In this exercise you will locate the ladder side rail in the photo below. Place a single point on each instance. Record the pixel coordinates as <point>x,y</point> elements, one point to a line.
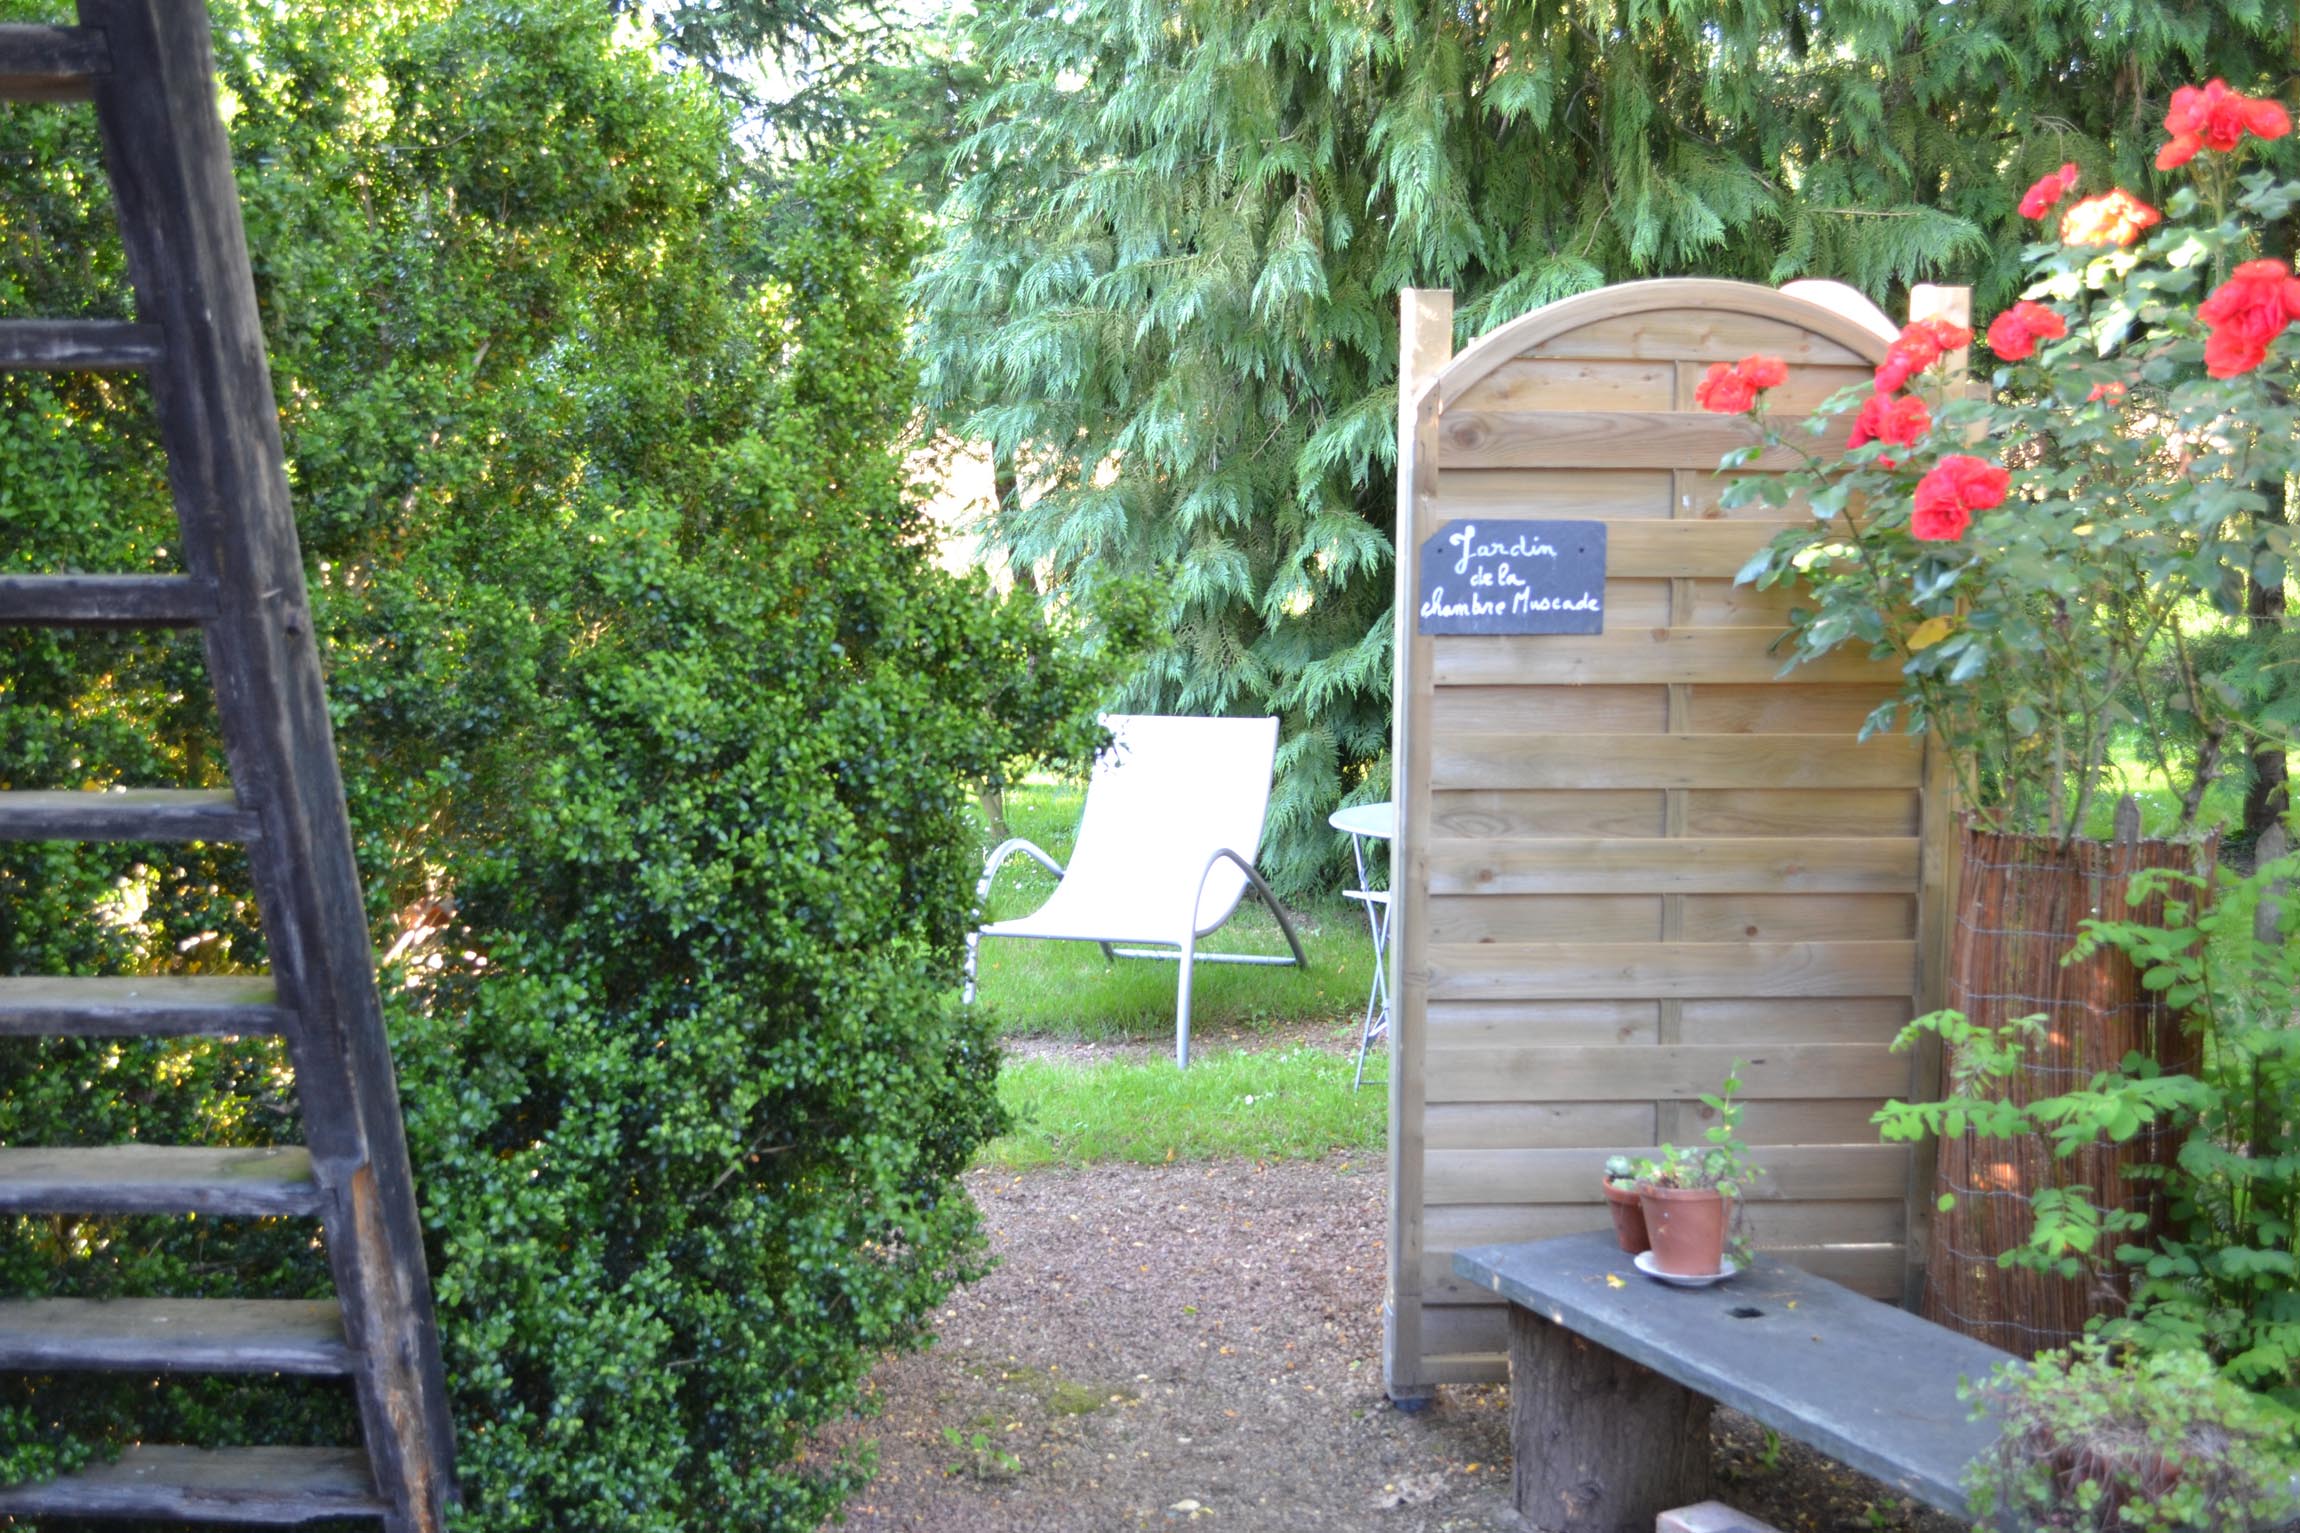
<point>179,216</point>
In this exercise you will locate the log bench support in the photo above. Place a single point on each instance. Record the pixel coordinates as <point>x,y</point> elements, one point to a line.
<point>1602,1444</point>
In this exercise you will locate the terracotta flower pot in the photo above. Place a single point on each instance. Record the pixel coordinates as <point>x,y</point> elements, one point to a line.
<point>1628,1219</point>
<point>1687,1228</point>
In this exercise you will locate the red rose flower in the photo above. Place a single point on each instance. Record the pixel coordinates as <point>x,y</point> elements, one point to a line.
<point>2014,333</point>
<point>2115,217</point>
<point>2216,118</point>
<point>1729,388</point>
<point>2245,314</point>
<point>1723,390</point>
<point>1917,347</point>
<point>1951,491</point>
<point>1764,372</point>
<point>2047,191</point>
<point>1896,419</point>
<point>2112,391</point>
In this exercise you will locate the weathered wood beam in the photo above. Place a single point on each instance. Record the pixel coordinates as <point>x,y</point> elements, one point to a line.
<point>39,63</point>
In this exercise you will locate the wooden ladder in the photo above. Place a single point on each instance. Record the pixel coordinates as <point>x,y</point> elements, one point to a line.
<point>147,66</point>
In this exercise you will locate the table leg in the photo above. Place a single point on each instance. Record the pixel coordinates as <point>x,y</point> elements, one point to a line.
<point>1602,1444</point>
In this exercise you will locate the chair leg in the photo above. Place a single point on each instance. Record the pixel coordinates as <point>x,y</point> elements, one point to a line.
<point>1182,1005</point>
<point>973,946</point>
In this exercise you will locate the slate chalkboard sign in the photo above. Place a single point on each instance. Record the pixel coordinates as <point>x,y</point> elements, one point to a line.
<point>1513,577</point>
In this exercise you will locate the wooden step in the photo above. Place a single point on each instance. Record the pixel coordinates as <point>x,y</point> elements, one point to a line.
<point>106,601</point>
<point>174,1335</point>
<point>159,1179</point>
<point>196,1006</point>
<point>134,814</point>
<point>269,1487</point>
<point>77,346</point>
<point>50,63</point>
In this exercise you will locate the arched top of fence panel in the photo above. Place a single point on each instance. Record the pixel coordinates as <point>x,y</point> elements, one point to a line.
<point>1798,327</point>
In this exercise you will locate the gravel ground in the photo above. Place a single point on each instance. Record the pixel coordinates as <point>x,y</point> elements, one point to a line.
<point>1202,1343</point>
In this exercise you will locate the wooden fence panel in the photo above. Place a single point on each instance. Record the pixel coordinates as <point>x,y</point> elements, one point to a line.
<point>1628,859</point>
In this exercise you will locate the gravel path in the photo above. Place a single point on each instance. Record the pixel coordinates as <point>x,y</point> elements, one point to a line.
<point>1202,1344</point>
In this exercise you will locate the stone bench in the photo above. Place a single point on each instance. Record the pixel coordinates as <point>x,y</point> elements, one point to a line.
<point>1612,1376</point>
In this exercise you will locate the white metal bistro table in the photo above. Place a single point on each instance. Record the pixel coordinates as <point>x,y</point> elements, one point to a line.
<point>1363,823</point>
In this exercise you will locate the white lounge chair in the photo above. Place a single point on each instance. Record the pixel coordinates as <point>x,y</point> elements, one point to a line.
<point>1165,850</point>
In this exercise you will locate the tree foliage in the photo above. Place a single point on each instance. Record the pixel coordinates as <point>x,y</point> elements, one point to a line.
<point>1167,283</point>
<point>656,719</point>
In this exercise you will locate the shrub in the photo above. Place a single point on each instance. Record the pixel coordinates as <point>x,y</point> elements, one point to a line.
<point>656,716</point>
<point>2154,1441</point>
<point>2044,563</point>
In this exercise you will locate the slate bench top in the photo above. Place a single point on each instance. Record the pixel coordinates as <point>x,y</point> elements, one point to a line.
<point>1872,1386</point>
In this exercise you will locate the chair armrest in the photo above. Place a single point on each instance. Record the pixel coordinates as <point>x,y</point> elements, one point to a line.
<point>1005,850</point>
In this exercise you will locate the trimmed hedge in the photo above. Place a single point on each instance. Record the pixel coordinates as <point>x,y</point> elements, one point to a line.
<point>657,719</point>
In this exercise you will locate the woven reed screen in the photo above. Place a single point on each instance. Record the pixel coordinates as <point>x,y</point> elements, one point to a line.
<point>2021,901</point>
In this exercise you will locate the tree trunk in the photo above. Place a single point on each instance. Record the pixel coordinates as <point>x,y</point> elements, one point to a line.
<point>1603,1445</point>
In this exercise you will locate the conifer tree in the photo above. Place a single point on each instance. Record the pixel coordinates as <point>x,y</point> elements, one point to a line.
<point>1167,288</point>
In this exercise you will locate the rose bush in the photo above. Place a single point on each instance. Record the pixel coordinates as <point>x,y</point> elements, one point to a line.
<point>2052,560</point>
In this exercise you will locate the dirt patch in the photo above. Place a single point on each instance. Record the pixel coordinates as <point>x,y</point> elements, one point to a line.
<point>1202,1344</point>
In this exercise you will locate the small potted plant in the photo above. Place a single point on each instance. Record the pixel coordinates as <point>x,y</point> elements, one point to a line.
<point>1620,1184</point>
<point>1691,1197</point>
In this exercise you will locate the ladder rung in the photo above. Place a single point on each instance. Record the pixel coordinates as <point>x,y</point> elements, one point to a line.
<point>58,1007</point>
<point>106,601</point>
<point>174,1335</point>
<point>51,63</point>
<point>271,1487</point>
<point>136,814</point>
<point>76,345</point>
<point>266,1182</point>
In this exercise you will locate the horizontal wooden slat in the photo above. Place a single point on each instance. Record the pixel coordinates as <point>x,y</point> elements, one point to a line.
<point>1632,655</point>
<point>1806,1173</point>
<point>1668,970</point>
<point>1632,812</point>
<point>1527,710</point>
<point>1696,335</point>
<point>1473,1368</point>
<point>1513,761</point>
<point>1675,865</point>
<point>1545,918</point>
<point>106,601</point>
<point>1760,812</point>
<point>213,1007</point>
<point>1772,1225</point>
<point>1550,383</point>
<point>269,1487</point>
<point>1664,1072</point>
<point>1668,550</point>
<point>1716,602</point>
<point>77,345</point>
<point>174,1335</point>
<point>1470,1024</point>
<point>1745,1023</point>
<point>41,63</point>
<point>1458,918</point>
<point>1773,708</point>
<point>1616,495</point>
<point>1535,1125</point>
<point>1798,918</point>
<point>1691,440</point>
<point>137,814</point>
<point>158,1179</point>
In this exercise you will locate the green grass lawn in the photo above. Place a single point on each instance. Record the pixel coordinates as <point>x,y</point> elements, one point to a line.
<point>1266,1104</point>
<point>1254,1089</point>
<point>1067,989</point>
